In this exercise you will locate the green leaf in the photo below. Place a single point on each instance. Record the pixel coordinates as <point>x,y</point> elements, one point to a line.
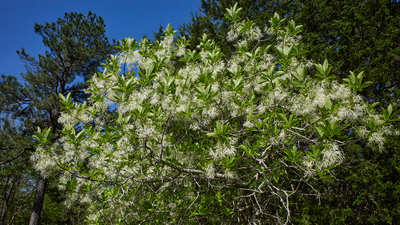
<point>38,135</point>
<point>328,103</point>
<point>339,129</point>
<point>320,132</point>
<point>292,154</point>
<point>366,84</point>
<point>212,134</point>
<point>325,66</point>
<point>390,110</point>
<point>233,13</point>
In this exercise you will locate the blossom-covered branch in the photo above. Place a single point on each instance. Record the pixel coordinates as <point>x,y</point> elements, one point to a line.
<point>196,136</point>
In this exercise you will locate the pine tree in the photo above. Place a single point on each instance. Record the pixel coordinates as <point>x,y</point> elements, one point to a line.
<point>77,45</point>
<point>17,175</point>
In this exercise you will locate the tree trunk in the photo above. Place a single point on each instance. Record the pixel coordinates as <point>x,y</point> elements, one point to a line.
<point>4,203</point>
<point>3,213</point>
<point>39,197</point>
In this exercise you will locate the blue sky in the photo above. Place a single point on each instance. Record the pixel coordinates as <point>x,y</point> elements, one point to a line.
<point>123,18</point>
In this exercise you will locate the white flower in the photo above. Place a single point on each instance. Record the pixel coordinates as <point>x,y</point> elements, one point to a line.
<point>363,132</point>
<point>220,150</point>
<point>232,35</point>
<point>194,126</point>
<point>248,124</point>
<point>131,59</point>
<point>255,33</point>
<point>181,108</point>
<point>181,51</point>
<point>308,163</point>
<point>320,98</point>
<point>155,99</point>
<point>212,112</point>
<point>67,119</point>
<point>331,156</point>
<point>229,174</point>
<point>376,139</point>
<point>210,171</point>
<point>282,135</point>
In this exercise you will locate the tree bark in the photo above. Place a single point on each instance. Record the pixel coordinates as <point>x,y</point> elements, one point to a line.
<point>39,197</point>
<point>3,213</point>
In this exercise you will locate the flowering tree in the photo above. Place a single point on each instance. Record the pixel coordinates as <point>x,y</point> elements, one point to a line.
<point>201,138</point>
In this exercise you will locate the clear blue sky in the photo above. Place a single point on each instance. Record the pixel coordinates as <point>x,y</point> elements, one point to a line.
<point>123,18</point>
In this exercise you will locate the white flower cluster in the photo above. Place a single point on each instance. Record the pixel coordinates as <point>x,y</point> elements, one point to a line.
<point>252,34</point>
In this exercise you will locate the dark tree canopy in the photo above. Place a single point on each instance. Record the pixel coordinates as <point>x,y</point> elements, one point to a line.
<point>77,46</point>
<point>354,35</point>
<point>357,36</point>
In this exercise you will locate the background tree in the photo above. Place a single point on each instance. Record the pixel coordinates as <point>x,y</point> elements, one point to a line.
<point>366,32</point>
<point>77,46</point>
<point>17,177</point>
<point>358,36</point>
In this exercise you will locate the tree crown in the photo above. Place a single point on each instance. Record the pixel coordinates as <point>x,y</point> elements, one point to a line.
<point>215,140</point>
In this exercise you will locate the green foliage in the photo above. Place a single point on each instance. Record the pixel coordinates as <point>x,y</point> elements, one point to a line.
<point>233,15</point>
<point>17,178</point>
<point>356,36</point>
<point>359,36</point>
<point>214,139</point>
<point>356,82</point>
